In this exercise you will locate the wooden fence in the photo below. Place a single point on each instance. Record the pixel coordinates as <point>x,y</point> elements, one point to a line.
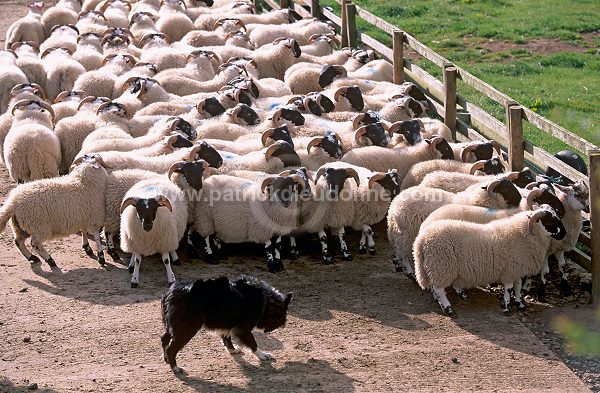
<point>467,120</point>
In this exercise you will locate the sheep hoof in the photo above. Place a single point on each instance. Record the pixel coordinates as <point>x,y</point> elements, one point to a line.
<point>34,259</point>
<point>294,254</point>
<point>114,255</point>
<point>347,256</point>
<point>177,370</point>
<point>134,285</point>
<point>327,259</point>
<point>411,276</point>
<point>371,250</point>
<point>101,260</point>
<point>88,250</point>
<point>362,249</point>
<point>521,306</point>
<point>176,262</point>
<point>448,310</point>
<point>51,262</point>
<point>565,288</point>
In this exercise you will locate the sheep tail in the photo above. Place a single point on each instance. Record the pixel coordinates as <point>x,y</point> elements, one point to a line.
<point>6,212</point>
<point>420,273</point>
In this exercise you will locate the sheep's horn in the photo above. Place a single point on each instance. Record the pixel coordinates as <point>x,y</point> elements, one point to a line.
<point>496,146</point>
<point>16,45</point>
<point>435,141</point>
<point>100,160</point>
<point>532,195</point>
<point>477,167</point>
<point>320,173</point>
<point>490,187</point>
<point>18,105</point>
<point>60,97</point>
<point>313,37</point>
<point>272,149</point>
<point>314,142</point>
<point>298,179</point>
<point>359,133</point>
<point>339,92</point>
<point>278,40</point>
<point>267,134</point>
<point>108,58</point>
<point>47,106</point>
<point>241,24</point>
<point>512,176</point>
<point>536,216</point>
<point>266,183</point>
<point>233,112</point>
<point>175,122</point>
<point>351,172</point>
<point>357,120</point>
<point>294,99</point>
<point>276,116</point>
<point>177,165</point>
<point>194,151</point>
<point>395,127</point>
<point>131,201</point>
<point>466,150</point>
<point>375,178</point>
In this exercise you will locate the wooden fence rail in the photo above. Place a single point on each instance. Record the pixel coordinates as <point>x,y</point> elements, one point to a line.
<point>467,120</point>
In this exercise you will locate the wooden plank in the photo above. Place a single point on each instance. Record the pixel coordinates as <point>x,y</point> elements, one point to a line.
<point>301,10</point>
<point>315,9</point>
<point>544,160</point>
<point>331,16</point>
<point>516,152</point>
<point>581,259</point>
<point>483,87</point>
<point>585,239</point>
<point>492,127</point>
<point>284,4</point>
<point>273,4</point>
<point>257,5</point>
<point>377,46</point>
<point>594,182</point>
<point>450,99</point>
<point>557,131</point>
<point>351,21</point>
<point>376,21</point>
<point>398,56</point>
<point>425,51</point>
<point>425,80</point>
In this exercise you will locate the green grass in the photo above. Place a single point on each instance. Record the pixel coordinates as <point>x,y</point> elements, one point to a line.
<point>562,86</point>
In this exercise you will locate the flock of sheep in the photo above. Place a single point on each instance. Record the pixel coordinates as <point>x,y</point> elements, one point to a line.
<point>189,124</point>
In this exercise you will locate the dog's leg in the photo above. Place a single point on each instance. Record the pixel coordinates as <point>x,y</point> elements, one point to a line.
<point>229,344</point>
<point>179,339</point>
<point>247,338</point>
<point>165,339</point>
<point>170,274</point>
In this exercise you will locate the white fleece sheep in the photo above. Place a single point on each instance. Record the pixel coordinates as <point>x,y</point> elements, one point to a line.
<point>156,49</point>
<point>10,76</point>
<point>29,62</point>
<point>464,254</point>
<point>67,104</point>
<point>65,12</point>
<point>61,70</point>
<point>28,27</point>
<point>116,12</point>
<point>63,36</point>
<point>417,172</point>
<point>91,22</point>
<point>262,35</point>
<point>58,207</point>
<point>173,21</point>
<point>101,82</point>
<point>89,51</point>
<point>273,60</point>
<point>143,235</point>
<point>31,148</point>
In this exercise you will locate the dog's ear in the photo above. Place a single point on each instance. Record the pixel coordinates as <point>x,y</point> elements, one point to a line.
<point>288,298</point>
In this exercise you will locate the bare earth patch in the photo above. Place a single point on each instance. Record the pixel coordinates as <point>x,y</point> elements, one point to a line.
<point>544,46</point>
<point>353,326</point>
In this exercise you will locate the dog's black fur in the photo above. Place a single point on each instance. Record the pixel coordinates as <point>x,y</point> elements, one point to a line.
<point>231,308</point>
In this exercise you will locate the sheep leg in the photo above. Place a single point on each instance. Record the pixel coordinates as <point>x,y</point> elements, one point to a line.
<point>110,246</point>
<point>506,299</point>
<point>526,287</point>
<point>460,292</point>
<point>541,292</point>
<point>396,262</point>
<point>294,253</point>
<point>101,259</point>
<point>175,261</point>
<point>85,244</point>
<point>324,249</point>
<point>564,283</point>
<point>272,264</point>
<point>136,260</point>
<point>366,229</point>
<point>217,242</point>
<point>362,245</point>
<point>518,301</point>
<point>209,252</point>
<point>403,264</point>
<point>41,251</point>
<point>277,251</point>
<point>439,294</point>
<point>20,237</point>
<point>343,247</point>
<point>167,262</point>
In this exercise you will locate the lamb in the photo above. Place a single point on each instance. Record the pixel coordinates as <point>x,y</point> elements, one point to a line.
<point>264,34</point>
<point>89,51</point>
<point>147,228</point>
<point>62,71</point>
<point>10,76</point>
<point>27,28</point>
<point>65,12</point>
<point>459,253</point>
<point>31,148</point>
<point>380,159</point>
<point>102,81</point>
<point>412,206</point>
<point>237,210</point>
<point>29,62</point>
<point>52,208</point>
<point>173,21</point>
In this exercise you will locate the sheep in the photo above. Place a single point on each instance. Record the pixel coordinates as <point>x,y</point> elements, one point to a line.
<point>113,124</point>
<point>156,50</point>
<point>27,28</point>
<point>31,148</point>
<point>319,45</point>
<point>102,81</point>
<point>273,17</point>
<point>29,62</point>
<point>27,91</point>
<point>65,12</point>
<point>62,71</point>
<point>89,51</point>
<point>412,206</point>
<point>173,21</point>
<point>199,66</point>
<point>142,23</point>
<point>67,104</point>
<point>52,208</point>
<point>147,229</point>
<point>72,131</point>
<point>140,70</point>
<point>115,44</point>
<point>91,22</point>
<point>252,142</point>
<point>64,36</point>
<point>116,12</point>
<point>10,76</point>
<point>380,159</point>
<point>176,84</point>
<point>273,60</point>
<point>237,210</point>
<point>464,254</point>
<point>262,35</point>
<point>272,159</point>
<point>209,18</point>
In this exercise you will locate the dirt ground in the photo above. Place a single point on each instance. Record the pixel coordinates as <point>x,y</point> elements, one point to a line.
<point>352,327</point>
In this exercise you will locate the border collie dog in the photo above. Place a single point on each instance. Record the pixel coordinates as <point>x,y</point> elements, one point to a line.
<point>229,308</point>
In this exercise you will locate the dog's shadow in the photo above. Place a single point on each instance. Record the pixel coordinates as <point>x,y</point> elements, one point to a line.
<point>312,376</point>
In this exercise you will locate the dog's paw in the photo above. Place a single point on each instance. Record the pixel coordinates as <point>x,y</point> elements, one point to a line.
<point>234,351</point>
<point>178,370</point>
<point>264,356</point>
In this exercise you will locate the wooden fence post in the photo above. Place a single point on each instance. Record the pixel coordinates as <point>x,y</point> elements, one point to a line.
<point>594,179</point>
<point>351,20</point>
<point>398,46</point>
<point>516,148</point>
<point>344,27</point>
<point>283,4</point>
<point>257,6</point>
<point>450,98</point>
<point>315,9</point>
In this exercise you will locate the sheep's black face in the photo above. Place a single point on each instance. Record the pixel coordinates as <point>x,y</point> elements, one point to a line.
<point>335,178</point>
<point>210,155</point>
<point>411,131</point>
<point>284,190</point>
<point>553,225</point>
<point>313,107</point>
<point>286,153</point>
<point>413,91</point>
<point>355,98</point>
<point>483,151</point>
<point>146,211</point>
<point>186,129</point>
<point>293,115</point>
<point>416,108</point>
<point>248,115</point>
<point>282,134</point>
<point>493,166</point>
<point>208,3</point>
<point>548,198</point>
<point>445,150</point>
<point>328,74</point>
<point>326,103</point>
<point>193,173</point>
<point>525,177</point>
<point>509,192</point>
<point>212,107</point>
<point>391,184</point>
<point>376,134</point>
<point>296,49</point>
<point>181,141</point>
<point>331,145</point>
<point>371,117</point>
<point>306,190</point>
<point>244,98</point>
